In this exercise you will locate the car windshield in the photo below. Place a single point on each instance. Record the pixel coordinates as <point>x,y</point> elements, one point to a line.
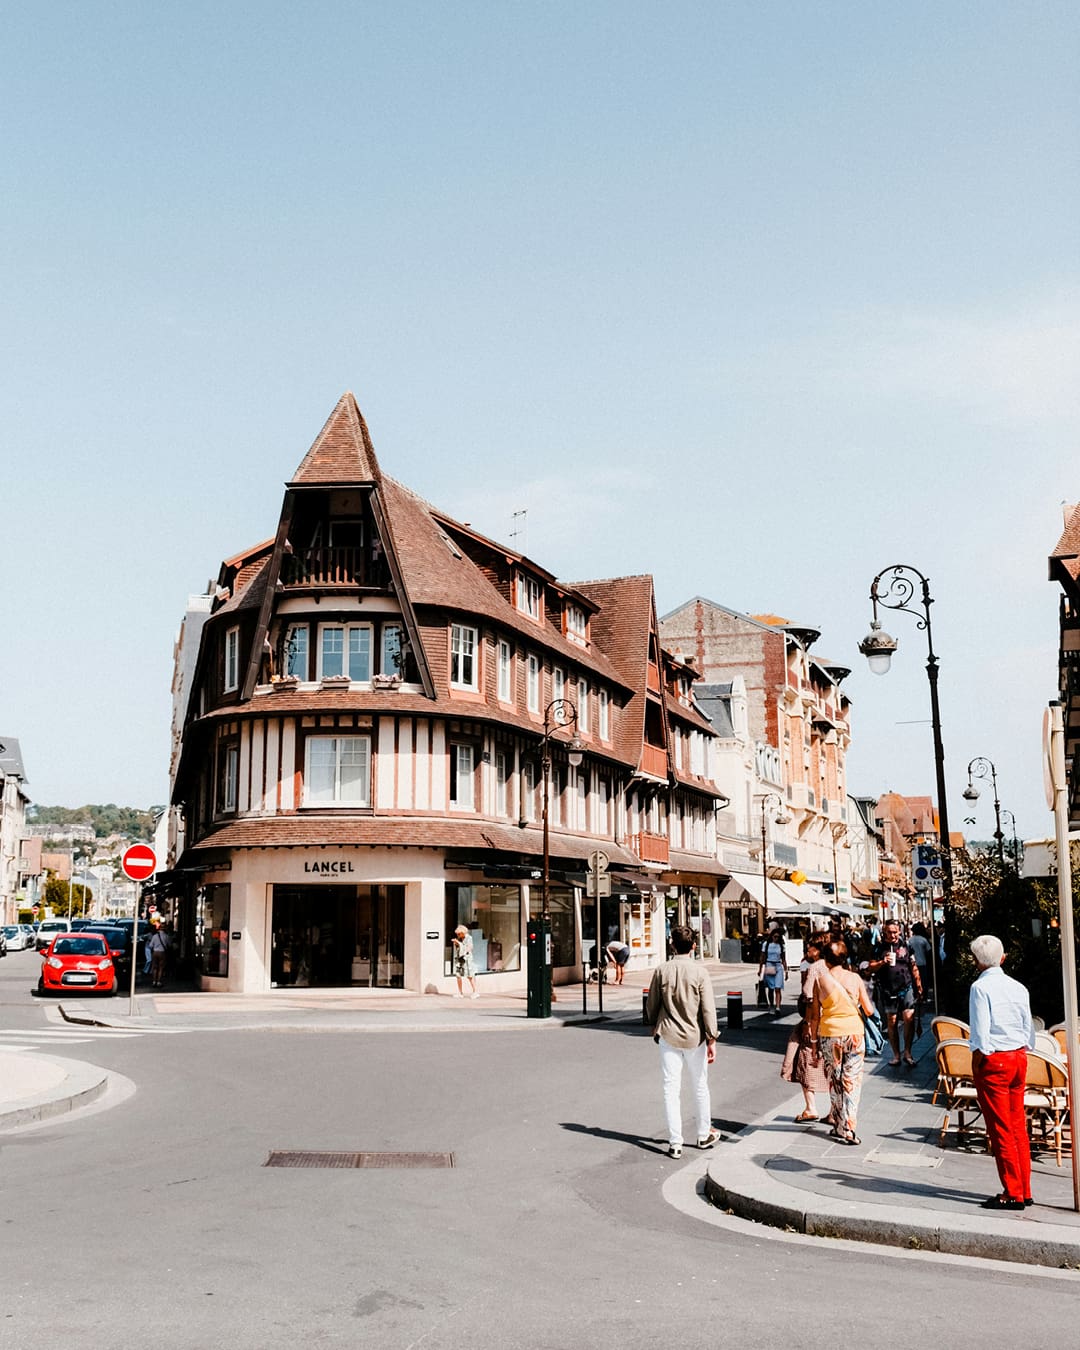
<point>115,937</point>
<point>11,932</point>
<point>80,946</point>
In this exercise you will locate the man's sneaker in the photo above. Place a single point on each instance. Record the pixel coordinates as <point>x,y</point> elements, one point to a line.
<point>713,1137</point>
<point>674,1151</point>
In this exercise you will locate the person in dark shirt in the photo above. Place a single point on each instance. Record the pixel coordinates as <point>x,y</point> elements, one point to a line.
<point>899,987</point>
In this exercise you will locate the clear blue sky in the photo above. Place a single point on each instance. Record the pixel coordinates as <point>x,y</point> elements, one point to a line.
<point>759,298</point>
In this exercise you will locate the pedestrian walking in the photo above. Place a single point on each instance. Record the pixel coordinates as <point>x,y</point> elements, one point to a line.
<point>158,949</point>
<point>681,1008</point>
<point>464,968</point>
<point>1002,1032</point>
<point>835,1020</point>
<point>772,967</point>
<point>899,988</point>
<point>802,1059</point>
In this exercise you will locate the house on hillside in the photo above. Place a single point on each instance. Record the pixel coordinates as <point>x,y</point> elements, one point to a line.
<point>359,760</point>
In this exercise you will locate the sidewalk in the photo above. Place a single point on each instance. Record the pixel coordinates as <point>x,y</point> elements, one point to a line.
<point>900,1188</point>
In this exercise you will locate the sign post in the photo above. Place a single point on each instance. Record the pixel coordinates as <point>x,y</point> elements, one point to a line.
<point>1057,793</point>
<point>138,864</point>
<point>598,884</point>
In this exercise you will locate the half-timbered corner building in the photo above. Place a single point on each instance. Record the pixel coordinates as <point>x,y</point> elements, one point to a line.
<point>358,750</point>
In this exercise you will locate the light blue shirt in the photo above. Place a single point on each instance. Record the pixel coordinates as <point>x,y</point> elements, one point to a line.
<point>999,1012</point>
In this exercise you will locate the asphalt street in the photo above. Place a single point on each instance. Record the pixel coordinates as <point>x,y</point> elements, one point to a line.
<point>156,1222</point>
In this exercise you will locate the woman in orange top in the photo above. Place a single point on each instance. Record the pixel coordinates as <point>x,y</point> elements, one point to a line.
<point>834,1019</point>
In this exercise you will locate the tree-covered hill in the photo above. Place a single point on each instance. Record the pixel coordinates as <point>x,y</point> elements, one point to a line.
<point>105,820</point>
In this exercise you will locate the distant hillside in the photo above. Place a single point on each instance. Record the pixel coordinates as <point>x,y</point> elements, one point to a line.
<point>104,820</point>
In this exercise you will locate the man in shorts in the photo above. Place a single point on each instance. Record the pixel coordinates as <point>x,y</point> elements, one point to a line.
<point>899,988</point>
<point>619,953</point>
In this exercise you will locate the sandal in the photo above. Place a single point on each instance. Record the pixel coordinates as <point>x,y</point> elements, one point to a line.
<point>909,1063</point>
<point>803,1117</point>
<point>894,1063</point>
<point>851,1139</point>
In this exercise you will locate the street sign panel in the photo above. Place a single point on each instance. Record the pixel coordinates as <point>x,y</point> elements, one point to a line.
<point>139,862</point>
<point>598,885</point>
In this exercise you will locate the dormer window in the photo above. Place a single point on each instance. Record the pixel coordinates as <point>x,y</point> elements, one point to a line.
<point>232,660</point>
<point>527,595</point>
<point>577,625</point>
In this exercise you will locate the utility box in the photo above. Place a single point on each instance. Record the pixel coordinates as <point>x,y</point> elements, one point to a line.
<point>538,968</point>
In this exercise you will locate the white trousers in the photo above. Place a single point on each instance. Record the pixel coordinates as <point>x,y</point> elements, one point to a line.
<point>671,1067</point>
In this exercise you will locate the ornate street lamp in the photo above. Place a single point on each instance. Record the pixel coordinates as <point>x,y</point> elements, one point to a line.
<point>773,801</point>
<point>878,647</point>
<point>983,768</point>
<point>1011,822</point>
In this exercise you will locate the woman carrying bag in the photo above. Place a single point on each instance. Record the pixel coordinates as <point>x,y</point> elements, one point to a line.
<point>840,998</point>
<point>772,968</point>
<point>802,1062</point>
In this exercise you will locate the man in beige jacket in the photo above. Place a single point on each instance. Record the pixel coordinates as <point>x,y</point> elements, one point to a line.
<point>682,1010</point>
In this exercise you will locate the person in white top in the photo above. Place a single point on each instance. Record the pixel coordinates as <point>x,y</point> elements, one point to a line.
<point>1002,1032</point>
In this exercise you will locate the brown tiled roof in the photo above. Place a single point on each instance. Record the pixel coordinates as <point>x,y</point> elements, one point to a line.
<point>313,831</point>
<point>342,451</point>
<point>621,628</point>
<point>689,715</point>
<point>436,574</point>
<point>248,589</point>
<point>1065,559</point>
<point>703,863</point>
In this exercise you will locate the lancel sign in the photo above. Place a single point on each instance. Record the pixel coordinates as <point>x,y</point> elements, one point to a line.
<point>327,867</point>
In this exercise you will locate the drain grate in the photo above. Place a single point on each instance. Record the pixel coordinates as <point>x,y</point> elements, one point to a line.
<point>309,1158</point>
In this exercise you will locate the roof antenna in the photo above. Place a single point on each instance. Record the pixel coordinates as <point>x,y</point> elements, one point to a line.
<point>519,528</point>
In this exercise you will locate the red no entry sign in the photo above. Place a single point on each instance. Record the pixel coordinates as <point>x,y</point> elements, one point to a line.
<point>139,862</point>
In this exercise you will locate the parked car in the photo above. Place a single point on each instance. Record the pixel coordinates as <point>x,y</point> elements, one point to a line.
<point>48,930</point>
<point>3,942</point>
<point>15,939</point>
<point>77,961</point>
<point>119,942</point>
<point>31,933</point>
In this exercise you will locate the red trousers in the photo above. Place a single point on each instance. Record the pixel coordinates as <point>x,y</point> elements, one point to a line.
<point>999,1082</point>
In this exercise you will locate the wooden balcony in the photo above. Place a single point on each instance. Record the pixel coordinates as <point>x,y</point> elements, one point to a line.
<point>652,678</point>
<point>332,568</point>
<point>654,760</point>
<point>651,848</point>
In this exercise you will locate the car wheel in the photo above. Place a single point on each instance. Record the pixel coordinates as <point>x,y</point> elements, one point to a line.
<point>40,988</point>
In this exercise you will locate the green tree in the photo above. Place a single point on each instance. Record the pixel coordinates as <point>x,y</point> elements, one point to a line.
<point>56,897</point>
<point>1023,913</point>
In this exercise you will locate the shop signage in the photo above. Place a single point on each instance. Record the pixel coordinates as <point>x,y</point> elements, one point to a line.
<point>324,867</point>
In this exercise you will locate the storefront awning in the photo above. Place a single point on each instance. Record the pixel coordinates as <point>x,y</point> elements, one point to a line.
<point>785,898</point>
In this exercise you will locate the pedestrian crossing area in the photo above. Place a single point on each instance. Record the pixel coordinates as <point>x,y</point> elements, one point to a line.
<point>56,1038</point>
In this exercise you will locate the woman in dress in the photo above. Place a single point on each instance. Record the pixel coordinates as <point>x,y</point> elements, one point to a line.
<point>772,968</point>
<point>802,1062</point>
<point>834,1018</point>
<point>464,968</point>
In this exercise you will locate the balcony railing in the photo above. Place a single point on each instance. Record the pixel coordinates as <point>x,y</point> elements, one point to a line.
<point>651,848</point>
<point>654,760</point>
<point>332,567</point>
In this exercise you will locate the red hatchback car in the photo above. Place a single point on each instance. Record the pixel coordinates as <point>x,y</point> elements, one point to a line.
<point>77,961</point>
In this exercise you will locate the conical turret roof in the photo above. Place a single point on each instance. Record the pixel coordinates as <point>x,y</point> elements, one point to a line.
<point>342,451</point>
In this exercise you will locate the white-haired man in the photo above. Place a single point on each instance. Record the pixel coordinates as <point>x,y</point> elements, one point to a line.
<point>1002,1033</point>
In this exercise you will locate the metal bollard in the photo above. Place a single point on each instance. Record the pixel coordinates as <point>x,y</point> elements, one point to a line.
<point>645,1008</point>
<point>734,1010</point>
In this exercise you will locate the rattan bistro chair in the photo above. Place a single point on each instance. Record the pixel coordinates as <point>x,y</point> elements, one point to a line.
<point>949,1029</point>
<point>1046,1099</point>
<point>955,1085</point>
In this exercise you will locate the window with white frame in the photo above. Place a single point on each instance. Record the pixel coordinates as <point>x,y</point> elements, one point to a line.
<point>528,790</point>
<point>391,661</point>
<point>577,626</point>
<point>528,594</point>
<point>556,787</point>
<point>228,775</point>
<point>581,821</point>
<point>558,690</point>
<point>232,660</point>
<point>462,777</point>
<point>296,651</point>
<point>506,666</point>
<point>602,717</point>
<point>502,779</point>
<point>345,649</point>
<point>583,706</point>
<point>463,662</point>
<point>337,771</point>
<point>532,683</point>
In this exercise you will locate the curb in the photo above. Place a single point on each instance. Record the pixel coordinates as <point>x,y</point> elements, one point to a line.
<point>747,1190</point>
<point>81,1085</point>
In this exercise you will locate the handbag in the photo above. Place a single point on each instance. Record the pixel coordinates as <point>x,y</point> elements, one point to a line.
<point>770,970</point>
<point>873,1033</point>
<point>762,996</point>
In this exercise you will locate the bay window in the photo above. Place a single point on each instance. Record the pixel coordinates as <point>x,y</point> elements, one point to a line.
<point>345,649</point>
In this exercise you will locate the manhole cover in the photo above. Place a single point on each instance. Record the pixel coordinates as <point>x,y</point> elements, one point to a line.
<point>309,1158</point>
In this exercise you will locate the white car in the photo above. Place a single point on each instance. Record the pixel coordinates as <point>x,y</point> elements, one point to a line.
<point>17,941</point>
<point>48,930</point>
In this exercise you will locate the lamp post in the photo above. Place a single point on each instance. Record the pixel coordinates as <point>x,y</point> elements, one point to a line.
<point>838,830</point>
<point>774,800</point>
<point>559,715</point>
<point>878,647</point>
<point>1011,822</point>
<point>983,768</point>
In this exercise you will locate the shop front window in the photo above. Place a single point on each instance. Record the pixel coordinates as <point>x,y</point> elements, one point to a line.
<point>561,909</point>
<point>492,914</point>
<point>212,929</point>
